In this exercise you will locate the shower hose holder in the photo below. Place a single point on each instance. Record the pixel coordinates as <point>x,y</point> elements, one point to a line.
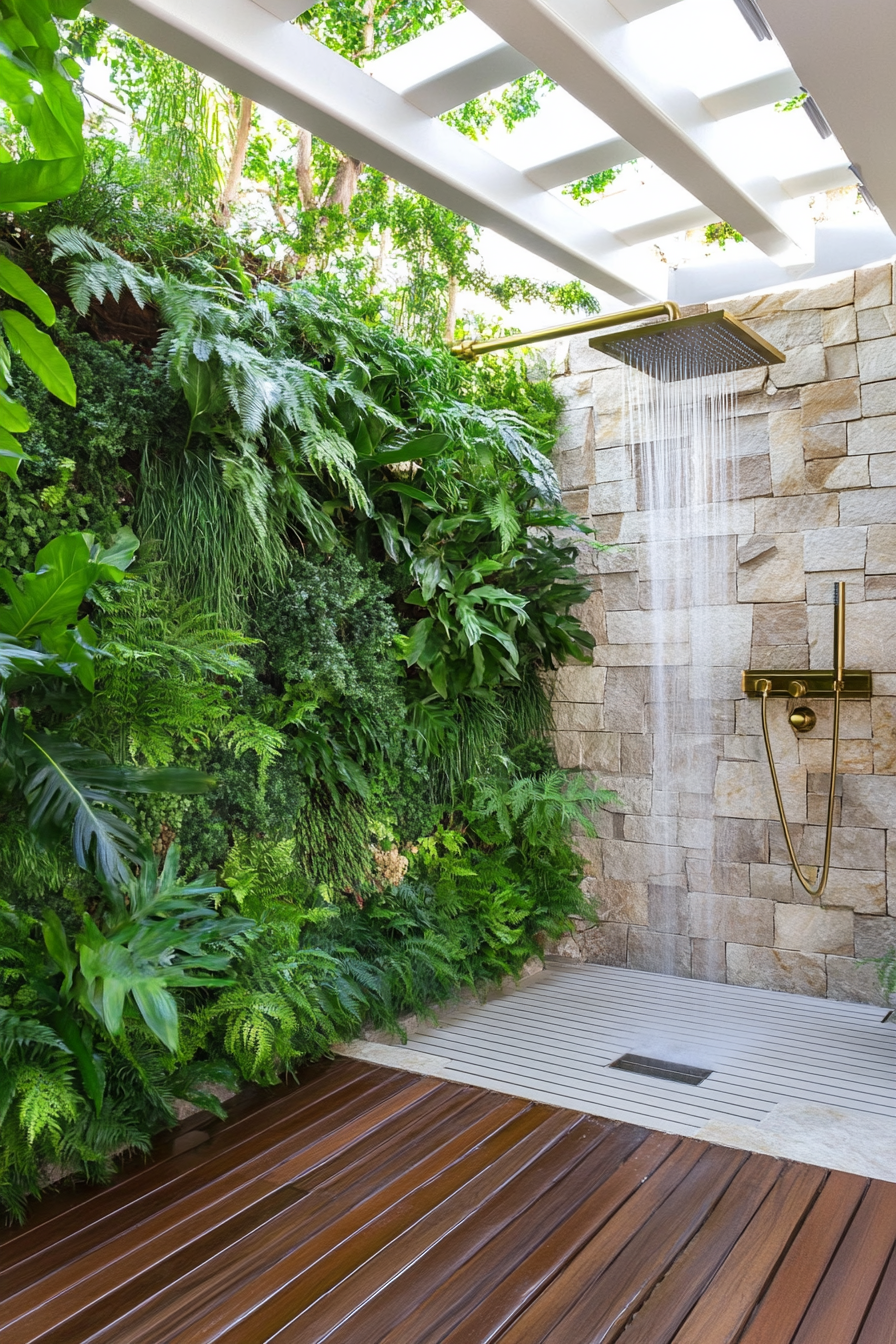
<point>835,684</point>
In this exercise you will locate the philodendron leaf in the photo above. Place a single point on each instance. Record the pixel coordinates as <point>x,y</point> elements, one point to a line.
<point>41,355</point>
<point>70,788</point>
<point>13,415</point>
<point>51,595</point>
<point>34,182</point>
<point>11,453</point>
<point>19,284</point>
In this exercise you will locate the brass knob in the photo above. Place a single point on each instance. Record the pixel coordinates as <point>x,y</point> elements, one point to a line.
<point>797,689</point>
<point>803,719</point>
<point>763,685</point>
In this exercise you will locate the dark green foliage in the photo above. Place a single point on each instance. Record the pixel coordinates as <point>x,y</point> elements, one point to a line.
<point>353,580</point>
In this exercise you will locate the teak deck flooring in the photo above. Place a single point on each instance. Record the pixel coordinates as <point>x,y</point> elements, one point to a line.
<point>372,1206</point>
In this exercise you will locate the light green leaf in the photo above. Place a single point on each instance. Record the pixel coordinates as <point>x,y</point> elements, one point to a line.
<point>159,1010</point>
<point>19,284</point>
<point>41,356</point>
<point>13,415</point>
<point>34,182</point>
<point>11,453</point>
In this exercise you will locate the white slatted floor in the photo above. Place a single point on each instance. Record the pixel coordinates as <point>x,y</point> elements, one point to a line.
<point>553,1039</point>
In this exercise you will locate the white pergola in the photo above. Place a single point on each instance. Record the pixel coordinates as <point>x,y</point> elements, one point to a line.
<point>689,85</point>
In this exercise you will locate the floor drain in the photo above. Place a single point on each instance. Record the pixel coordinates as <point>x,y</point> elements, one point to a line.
<point>661,1068</point>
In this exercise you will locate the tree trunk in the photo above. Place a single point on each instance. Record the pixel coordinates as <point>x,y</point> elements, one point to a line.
<point>345,184</point>
<point>451,315</point>
<point>237,161</point>
<point>304,175</point>
<point>369,37</point>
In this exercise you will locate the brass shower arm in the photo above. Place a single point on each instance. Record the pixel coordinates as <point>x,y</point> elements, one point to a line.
<point>473,349</point>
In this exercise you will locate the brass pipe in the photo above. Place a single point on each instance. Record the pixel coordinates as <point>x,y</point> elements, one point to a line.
<point>473,349</point>
<point>764,686</point>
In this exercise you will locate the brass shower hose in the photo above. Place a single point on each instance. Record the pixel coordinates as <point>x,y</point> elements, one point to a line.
<point>822,882</point>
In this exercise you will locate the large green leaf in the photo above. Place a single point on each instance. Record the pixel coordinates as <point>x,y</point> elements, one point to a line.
<point>41,355</point>
<point>72,789</point>
<point>13,415</point>
<point>36,182</point>
<point>19,284</point>
<point>11,453</point>
<point>51,596</point>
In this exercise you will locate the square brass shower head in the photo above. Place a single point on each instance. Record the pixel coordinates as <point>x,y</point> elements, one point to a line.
<point>689,347</point>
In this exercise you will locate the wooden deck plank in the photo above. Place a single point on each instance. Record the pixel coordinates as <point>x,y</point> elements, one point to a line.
<point>840,1305</point>
<point>84,1280</point>
<point>372,1206</point>
<point>777,1318</point>
<point>534,1133</point>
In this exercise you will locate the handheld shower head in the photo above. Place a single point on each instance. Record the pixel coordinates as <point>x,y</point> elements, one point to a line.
<point>689,347</point>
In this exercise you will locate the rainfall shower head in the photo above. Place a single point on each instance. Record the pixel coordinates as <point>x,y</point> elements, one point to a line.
<point>689,347</point>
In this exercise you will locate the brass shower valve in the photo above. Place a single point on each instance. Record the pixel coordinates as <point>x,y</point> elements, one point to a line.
<point>805,685</point>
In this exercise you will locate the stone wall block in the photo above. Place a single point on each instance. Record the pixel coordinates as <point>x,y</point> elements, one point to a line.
<point>879,398</point>
<point>877,359</point>
<point>851,982</point>
<point>883,718</point>
<point>770,882</point>
<point>850,473</point>
<point>809,928</point>
<point>630,861</point>
<point>785,449</point>
<point>775,968</point>
<point>731,919</point>
<point>824,294</point>
<point>874,286</point>
<point>856,889</point>
<point>660,953</point>
<point>622,902</point>
<point>650,830</point>
<point>881,557</point>
<point>708,960</point>
<point>739,841</point>
<point>870,635</point>
<point>790,331</point>
<point>875,935</point>
<point>611,464</point>
<point>582,359</point>
<point>636,754</point>
<point>667,907</point>
<point>580,684</point>
<point>824,441</point>
<point>830,402</point>
<point>571,717</point>
<point>882,469</point>
<point>781,622</point>
<point>851,847</point>
<point>875,435</point>
<point>841,361</point>
<point>835,548</point>
<point>838,327</point>
<point>777,575</point>
<point>876,323</point>
<point>743,789</point>
<point>605,945</point>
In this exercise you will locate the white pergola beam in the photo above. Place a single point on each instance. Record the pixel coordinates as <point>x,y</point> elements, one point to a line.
<point>776,87</point>
<point>661,226</point>
<point>819,179</point>
<point>287,10</point>
<point>842,51</point>
<point>587,47</point>
<point>449,65</point>
<point>286,70</point>
<point>639,9</point>
<point>582,163</point>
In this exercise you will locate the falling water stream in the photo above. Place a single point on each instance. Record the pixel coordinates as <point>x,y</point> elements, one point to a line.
<point>683,433</point>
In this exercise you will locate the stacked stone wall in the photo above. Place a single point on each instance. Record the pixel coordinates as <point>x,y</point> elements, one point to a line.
<point>690,872</point>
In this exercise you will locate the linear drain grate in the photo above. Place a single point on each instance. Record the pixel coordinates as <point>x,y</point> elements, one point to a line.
<point>661,1068</point>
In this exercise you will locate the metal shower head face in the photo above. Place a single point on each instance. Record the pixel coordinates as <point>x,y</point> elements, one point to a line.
<point>690,347</point>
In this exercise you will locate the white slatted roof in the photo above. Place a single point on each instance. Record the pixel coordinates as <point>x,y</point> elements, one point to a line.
<point>684,85</point>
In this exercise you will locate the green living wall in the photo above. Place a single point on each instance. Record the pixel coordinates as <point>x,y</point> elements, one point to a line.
<point>279,594</point>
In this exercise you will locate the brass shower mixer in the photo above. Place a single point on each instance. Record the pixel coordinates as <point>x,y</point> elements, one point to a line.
<point>835,684</point>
